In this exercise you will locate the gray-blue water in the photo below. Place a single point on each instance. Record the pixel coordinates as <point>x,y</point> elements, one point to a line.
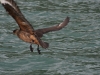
<point>74,50</point>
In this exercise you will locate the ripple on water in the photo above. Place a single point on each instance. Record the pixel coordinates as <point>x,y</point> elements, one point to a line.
<point>73,50</point>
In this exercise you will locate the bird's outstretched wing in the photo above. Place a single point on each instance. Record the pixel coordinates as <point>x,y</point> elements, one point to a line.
<point>12,8</point>
<point>40,32</point>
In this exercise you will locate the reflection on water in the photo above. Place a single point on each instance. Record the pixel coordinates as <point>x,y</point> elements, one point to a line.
<point>74,50</point>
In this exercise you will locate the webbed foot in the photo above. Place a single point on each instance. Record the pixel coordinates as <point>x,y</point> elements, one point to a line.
<point>31,49</point>
<point>38,50</point>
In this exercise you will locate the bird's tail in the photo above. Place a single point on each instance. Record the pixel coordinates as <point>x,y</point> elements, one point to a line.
<point>44,44</point>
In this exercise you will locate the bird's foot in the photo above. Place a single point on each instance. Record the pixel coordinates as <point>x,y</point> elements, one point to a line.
<point>38,50</point>
<point>31,49</point>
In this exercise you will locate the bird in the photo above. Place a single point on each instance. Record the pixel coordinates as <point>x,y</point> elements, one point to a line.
<point>26,32</point>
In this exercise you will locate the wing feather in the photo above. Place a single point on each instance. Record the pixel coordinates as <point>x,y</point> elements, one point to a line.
<point>40,32</point>
<point>12,8</point>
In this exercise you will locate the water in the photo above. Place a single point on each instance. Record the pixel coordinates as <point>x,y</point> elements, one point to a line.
<point>74,50</point>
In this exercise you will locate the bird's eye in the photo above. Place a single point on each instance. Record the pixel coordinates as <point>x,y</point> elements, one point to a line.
<point>32,40</point>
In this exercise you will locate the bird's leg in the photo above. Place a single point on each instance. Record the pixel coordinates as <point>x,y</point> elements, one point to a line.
<point>31,49</point>
<point>38,50</point>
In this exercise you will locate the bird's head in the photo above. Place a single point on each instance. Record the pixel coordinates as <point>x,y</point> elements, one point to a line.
<point>15,31</point>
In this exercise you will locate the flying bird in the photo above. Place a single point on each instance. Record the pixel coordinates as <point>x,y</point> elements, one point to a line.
<point>26,32</point>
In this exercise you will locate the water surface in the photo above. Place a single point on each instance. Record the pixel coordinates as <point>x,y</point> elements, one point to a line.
<point>74,50</point>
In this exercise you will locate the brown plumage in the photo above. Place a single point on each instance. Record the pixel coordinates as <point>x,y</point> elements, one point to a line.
<point>26,31</point>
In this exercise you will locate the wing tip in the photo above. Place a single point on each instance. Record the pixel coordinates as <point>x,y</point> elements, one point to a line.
<point>3,1</point>
<point>67,18</point>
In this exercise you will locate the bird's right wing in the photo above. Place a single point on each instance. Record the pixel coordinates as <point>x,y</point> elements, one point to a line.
<point>40,32</point>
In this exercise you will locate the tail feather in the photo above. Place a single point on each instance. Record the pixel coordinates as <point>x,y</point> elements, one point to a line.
<point>44,44</point>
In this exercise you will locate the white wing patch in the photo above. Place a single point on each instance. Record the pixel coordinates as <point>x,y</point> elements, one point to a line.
<point>6,2</point>
<point>60,24</point>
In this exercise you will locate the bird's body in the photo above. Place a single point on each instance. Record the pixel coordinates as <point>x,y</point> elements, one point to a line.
<point>27,37</point>
<point>26,31</point>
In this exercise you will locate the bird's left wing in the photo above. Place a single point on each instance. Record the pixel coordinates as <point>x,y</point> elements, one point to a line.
<point>12,8</point>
